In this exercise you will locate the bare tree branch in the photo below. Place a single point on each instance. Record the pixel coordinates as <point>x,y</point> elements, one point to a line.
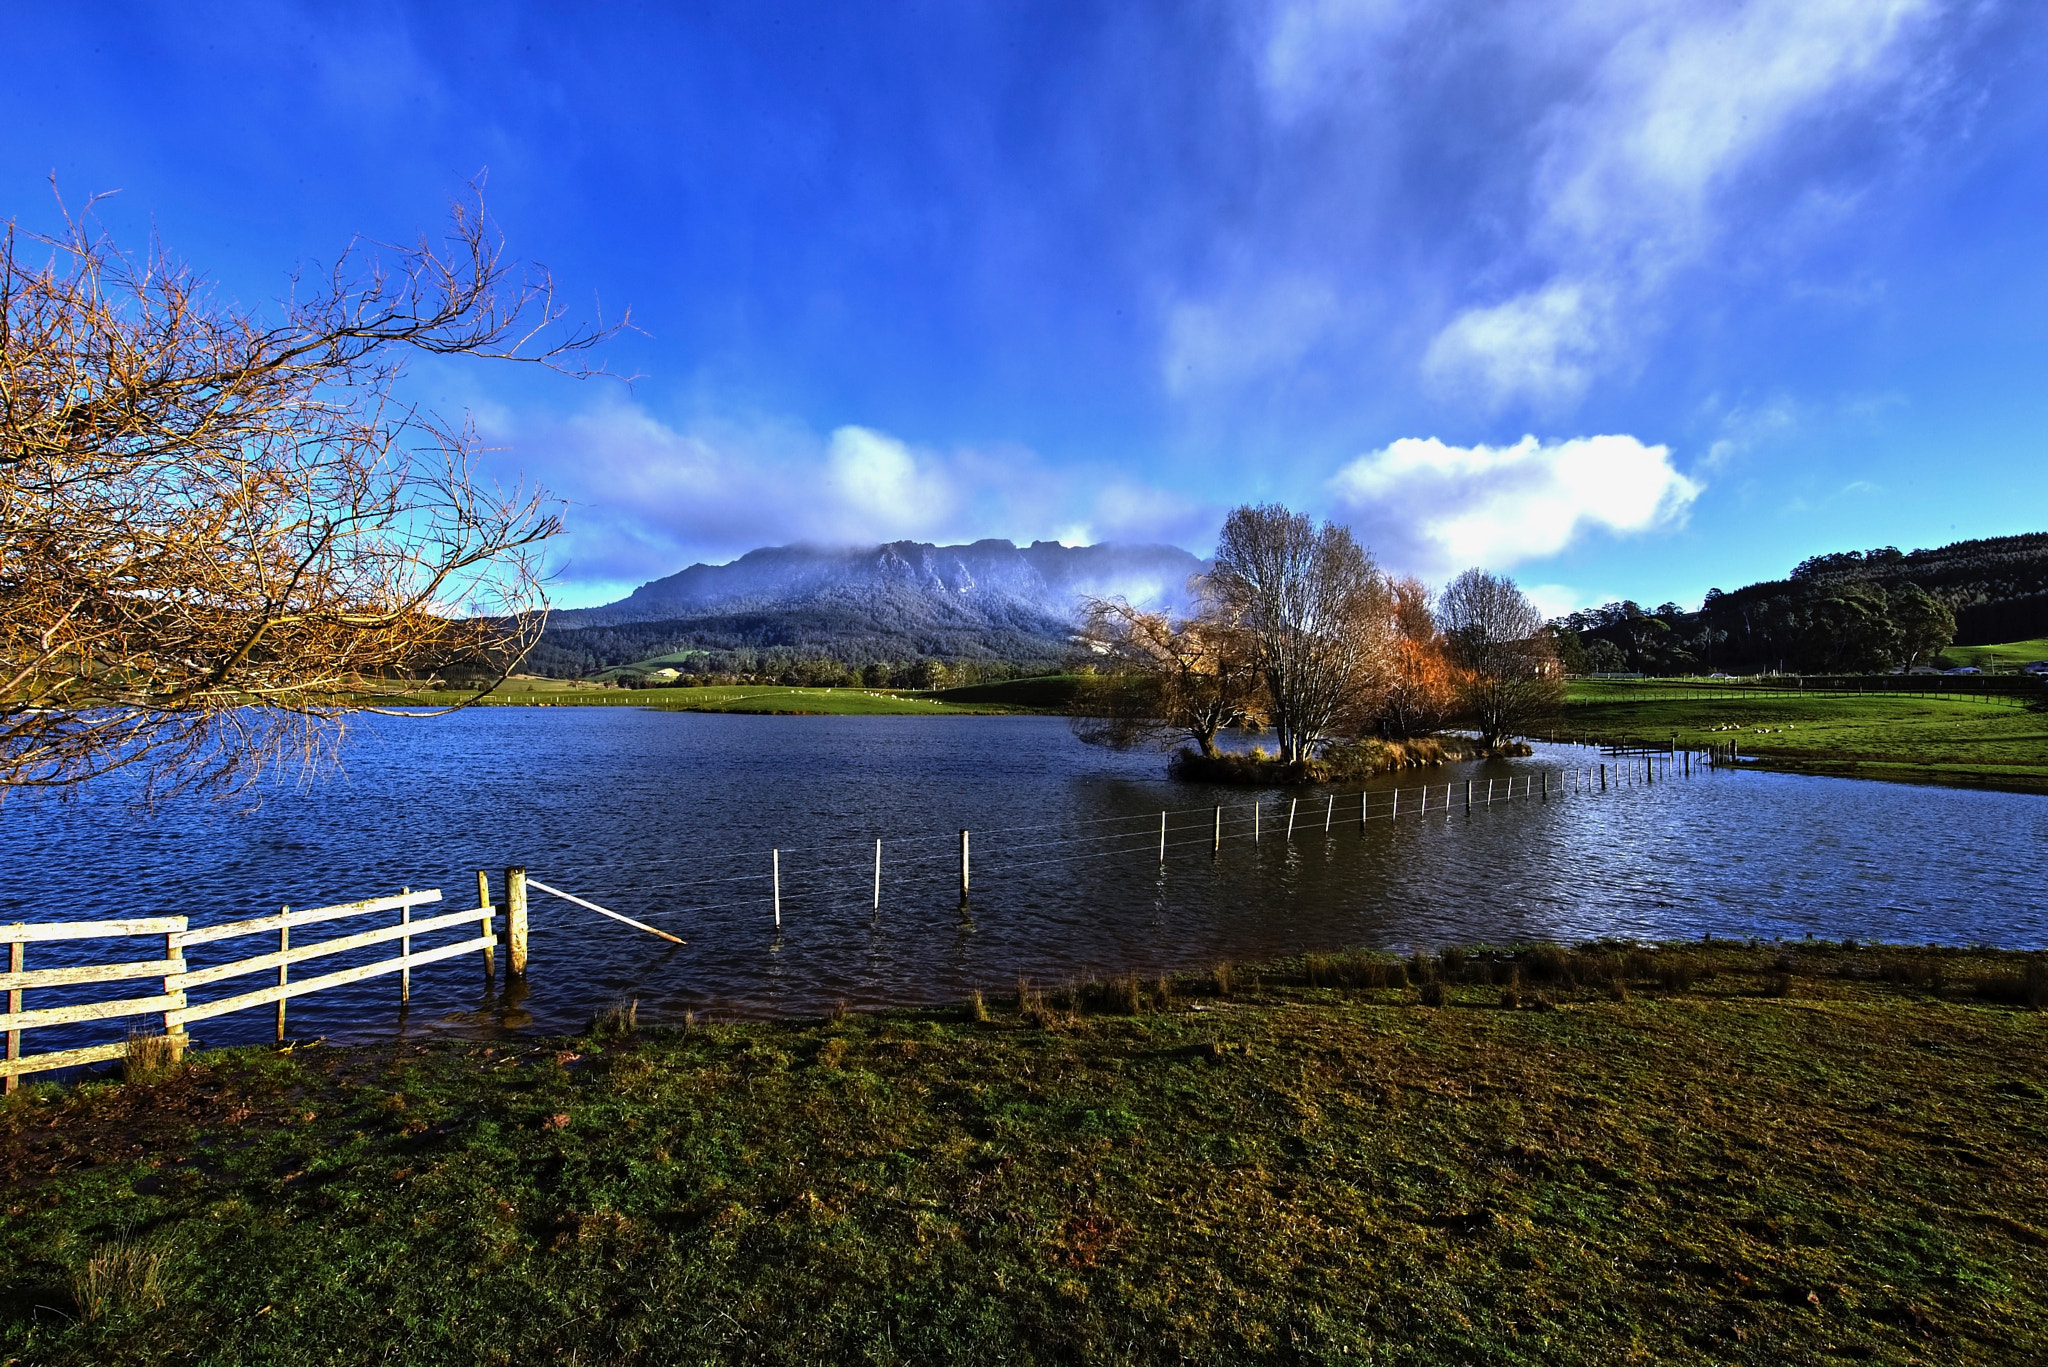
<point>219,535</point>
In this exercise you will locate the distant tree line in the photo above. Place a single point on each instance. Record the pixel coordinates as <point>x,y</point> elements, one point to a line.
<point>1804,625</point>
<point>1851,612</point>
<point>772,642</point>
<point>705,669</point>
<point>1296,628</point>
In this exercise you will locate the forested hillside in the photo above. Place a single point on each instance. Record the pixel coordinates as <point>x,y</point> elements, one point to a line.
<point>1852,612</point>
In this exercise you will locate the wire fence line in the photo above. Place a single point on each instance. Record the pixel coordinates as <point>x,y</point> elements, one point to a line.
<point>882,866</point>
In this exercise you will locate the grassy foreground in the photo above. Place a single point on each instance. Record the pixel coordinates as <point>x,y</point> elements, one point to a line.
<point>1702,1154</point>
<point>1930,739</point>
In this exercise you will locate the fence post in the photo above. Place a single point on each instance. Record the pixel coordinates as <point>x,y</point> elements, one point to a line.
<point>15,951</point>
<point>483,901</point>
<point>1364,807</point>
<point>1255,821</point>
<point>878,877</point>
<point>175,952</point>
<point>1395,815</point>
<point>1468,797</point>
<point>1546,785</point>
<point>515,923</point>
<point>1216,845</point>
<point>775,871</point>
<point>1292,804</point>
<point>284,943</point>
<point>963,865</point>
<point>1603,778</point>
<point>1162,840</point>
<point>1329,811</point>
<point>405,949</point>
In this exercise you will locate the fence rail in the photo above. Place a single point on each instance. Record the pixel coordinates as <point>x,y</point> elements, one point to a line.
<point>175,977</point>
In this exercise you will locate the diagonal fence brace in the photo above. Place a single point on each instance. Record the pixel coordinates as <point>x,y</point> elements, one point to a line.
<point>533,882</point>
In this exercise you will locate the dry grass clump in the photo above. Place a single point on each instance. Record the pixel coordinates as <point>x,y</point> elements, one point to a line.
<point>151,1057</point>
<point>1220,978</point>
<point>2028,987</point>
<point>619,1019</point>
<point>977,1009</point>
<point>123,1275</point>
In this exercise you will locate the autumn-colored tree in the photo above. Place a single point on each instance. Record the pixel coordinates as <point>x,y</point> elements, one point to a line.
<point>1316,611</point>
<point>220,532</point>
<point>1423,685</point>
<point>1160,680</point>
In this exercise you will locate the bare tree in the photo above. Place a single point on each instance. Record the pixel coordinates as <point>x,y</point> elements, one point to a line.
<point>1163,680</point>
<point>220,534</point>
<point>1512,679</point>
<point>1317,611</point>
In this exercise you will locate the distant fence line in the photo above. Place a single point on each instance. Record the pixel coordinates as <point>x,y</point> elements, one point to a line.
<point>824,882</point>
<point>2007,688</point>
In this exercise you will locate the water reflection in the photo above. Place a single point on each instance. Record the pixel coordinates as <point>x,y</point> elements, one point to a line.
<point>669,817</point>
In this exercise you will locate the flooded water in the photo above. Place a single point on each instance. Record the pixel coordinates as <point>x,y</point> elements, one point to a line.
<point>671,817</point>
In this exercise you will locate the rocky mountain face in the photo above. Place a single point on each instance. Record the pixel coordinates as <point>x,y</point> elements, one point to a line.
<point>987,601</point>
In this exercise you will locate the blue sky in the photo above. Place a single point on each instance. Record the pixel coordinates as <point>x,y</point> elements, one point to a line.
<point>1625,299</point>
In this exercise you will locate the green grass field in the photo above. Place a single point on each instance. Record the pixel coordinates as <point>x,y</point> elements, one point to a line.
<point>1698,1155</point>
<point>1932,739</point>
<point>774,699</point>
<point>2011,655</point>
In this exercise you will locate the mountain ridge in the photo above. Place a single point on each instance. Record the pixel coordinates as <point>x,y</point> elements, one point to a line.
<point>989,601</point>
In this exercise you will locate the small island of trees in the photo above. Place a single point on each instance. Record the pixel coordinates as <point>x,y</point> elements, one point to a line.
<point>1298,631</point>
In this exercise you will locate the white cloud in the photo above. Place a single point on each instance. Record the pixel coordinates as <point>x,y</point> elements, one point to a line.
<point>1542,345</point>
<point>647,498</point>
<point>1432,509</point>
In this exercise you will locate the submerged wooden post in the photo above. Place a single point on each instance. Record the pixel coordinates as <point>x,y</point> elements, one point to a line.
<point>1162,839</point>
<point>405,950</point>
<point>1546,785</point>
<point>284,944</point>
<point>1255,821</point>
<point>878,875</point>
<point>1216,845</point>
<point>775,872</point>
<point>483,901</point>
<point>1292,804</point>
<point>1364,806</point>
<point>1329,811</point>
<point>1468,797</point>
<point>515,923</point>
<point>1603,778</point>
<point>1395,815</point>
<point>15,951</point>
<point>963,865</point>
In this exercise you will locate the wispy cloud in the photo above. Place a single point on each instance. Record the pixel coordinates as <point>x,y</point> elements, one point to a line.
<point>1540,176</point>
<point>1431,509</point>
<point>1685,107</point>
<point>647,498</point>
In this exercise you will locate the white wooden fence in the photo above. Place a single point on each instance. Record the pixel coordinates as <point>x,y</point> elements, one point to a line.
<point>176,977</point>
